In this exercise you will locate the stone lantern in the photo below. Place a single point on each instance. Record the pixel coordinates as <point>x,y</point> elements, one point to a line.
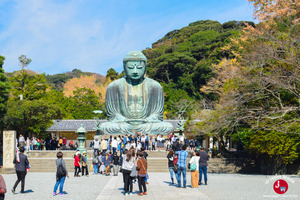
<point>97,121</point>
<point>81,138</point>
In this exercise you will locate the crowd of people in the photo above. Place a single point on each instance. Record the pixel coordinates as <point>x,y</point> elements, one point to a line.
<point>125,154</point>
<point>198,165</point>
<point>49,143</point>
<point>117,143</point>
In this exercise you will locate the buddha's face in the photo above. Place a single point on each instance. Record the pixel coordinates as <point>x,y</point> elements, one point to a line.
<point>135,69</point>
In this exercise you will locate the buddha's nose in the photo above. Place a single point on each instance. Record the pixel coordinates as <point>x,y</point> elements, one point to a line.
<point>135,69</point>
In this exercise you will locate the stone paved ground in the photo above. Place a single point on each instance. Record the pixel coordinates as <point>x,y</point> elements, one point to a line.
<point>220,186</point>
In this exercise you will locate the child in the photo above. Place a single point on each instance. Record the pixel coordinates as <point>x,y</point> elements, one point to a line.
<point>61,173</point>
<point>116,164</point>
<point>142,173</point>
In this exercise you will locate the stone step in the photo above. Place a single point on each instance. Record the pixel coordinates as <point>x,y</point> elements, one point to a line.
<point>44,161</point>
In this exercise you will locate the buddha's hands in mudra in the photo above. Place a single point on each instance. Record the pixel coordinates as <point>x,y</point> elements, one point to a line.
<point>136,121</point>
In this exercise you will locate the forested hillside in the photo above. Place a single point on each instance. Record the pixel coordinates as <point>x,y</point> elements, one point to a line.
<point>57,81</point>
<point>182,60</point>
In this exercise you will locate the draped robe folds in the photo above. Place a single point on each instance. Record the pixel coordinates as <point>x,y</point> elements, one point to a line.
<point>144,114</point>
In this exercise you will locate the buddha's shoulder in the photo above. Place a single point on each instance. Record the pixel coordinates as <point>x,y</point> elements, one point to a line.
<point>153,82</point>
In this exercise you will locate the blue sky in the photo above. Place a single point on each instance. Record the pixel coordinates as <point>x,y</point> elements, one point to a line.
<point>95,35</point>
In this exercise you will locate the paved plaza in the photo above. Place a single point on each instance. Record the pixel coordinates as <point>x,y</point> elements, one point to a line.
<point>98,187</point>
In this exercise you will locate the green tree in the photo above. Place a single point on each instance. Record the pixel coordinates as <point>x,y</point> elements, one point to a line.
<point>28,85</point>
<point>4,91</point>
<point>31,117</point>
<point>24,61</point>
<point>260,89</point>
<point>83,103</point>
<point>112,74</point>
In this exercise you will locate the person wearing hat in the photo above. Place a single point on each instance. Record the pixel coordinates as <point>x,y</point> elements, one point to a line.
<point>84,164</point>
<point>77,164</point>
<point>204,157</point>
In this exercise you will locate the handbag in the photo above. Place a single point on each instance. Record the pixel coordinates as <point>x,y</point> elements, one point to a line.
<point>175,167</point>
<point>193,166</point>
<point>133,172</point>
<point>143,175</point>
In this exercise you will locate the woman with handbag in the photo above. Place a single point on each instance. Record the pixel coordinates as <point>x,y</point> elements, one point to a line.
<point>194,167</point>
<point>127,167</point>
<point>142,173</point>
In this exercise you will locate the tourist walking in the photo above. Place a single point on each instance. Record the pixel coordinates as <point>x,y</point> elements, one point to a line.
<point>142,173</point>
<point>145,155</point>
<point>21,141</point>
<point>84,167</point>
<point>116,164</point>
<point>181,163</point>
<point>28,143</point>
<point>96,146</point>
<point>2,188</point>
<point>103,145</point>
<point>170,157</point>
<point>127,166</point>
<point>107,162</point>
<point>77,164</point>
<point>64,143</point>
<point>153,143</point>
<point>61,174</point>
<point>95,164</point>
<point>20,165</point>
<point>204,157</point>
<point>114,145</point>
<point>194,167</point>
<point>147,142</point>
<point>159,142</point>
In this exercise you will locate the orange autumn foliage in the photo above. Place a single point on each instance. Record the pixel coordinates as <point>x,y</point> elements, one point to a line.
<point>90,82</point>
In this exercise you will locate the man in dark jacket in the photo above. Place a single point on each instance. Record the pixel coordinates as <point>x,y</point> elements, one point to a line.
<point>20,166</point>
<point>204,157</point>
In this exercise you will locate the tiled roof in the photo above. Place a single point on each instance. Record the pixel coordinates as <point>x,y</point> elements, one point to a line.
<point>89,124</point>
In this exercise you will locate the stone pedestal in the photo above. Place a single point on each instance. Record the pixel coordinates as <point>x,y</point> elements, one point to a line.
<point>9,148</point>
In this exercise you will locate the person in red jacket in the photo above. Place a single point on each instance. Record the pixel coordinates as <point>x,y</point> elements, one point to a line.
<point>2,188</point>
<point>77,164</point>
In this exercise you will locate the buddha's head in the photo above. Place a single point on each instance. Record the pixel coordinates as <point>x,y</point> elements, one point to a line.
<point>135,63</point>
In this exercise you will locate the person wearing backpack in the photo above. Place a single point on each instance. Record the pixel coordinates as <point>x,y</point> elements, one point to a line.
<point>147,142</point>
<point>194,167</point>
<point>61,174</point>
<point>95,164</point>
